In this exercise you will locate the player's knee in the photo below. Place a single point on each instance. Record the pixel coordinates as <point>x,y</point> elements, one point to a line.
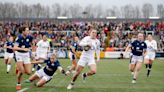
<point>21,71</point>
<point>131,69</point>
<point>77,72</point>
<point>138,69</point>
<point>93,71</point>
<point>39,85</point>
<point>28,72</point>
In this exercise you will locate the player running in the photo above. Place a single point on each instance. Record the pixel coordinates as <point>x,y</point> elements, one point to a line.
<point>73,54</point>
<point>22,54</point>
<point>151,50</point>
<point>90,44</point>
<point>138,49</point>
<point>9,53</point>
<point>46,74</point>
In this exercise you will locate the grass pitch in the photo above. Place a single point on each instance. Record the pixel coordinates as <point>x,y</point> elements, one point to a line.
<point>112,76</point>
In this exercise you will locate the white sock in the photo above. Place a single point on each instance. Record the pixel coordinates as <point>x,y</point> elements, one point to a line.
<point>8,67</point>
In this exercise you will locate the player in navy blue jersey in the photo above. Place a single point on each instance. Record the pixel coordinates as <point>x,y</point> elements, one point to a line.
<point>46,74</point>
<point>138,50</point>
<point>22,53</point>
<point>9,53</point>
<point>73,54</point>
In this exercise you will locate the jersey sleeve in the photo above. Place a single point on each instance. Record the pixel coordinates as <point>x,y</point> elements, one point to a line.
<point>145,46</point>
<point>98,50</point>
<point>83,42</point>
<point>155,45</point>
<point>17,41</point>
<point>38,44</point>
<point>57,63</point>
<point>45,61</point>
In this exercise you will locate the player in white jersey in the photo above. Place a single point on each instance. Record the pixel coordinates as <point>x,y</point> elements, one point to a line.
<point>151,50</point>
<point>43,47</point>
<point>91,45</point>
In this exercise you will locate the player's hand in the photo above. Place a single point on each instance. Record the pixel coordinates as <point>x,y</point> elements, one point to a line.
<point>98,61</point>
<point>63,72</point>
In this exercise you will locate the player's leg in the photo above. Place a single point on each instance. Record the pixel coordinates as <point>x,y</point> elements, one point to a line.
<point>28,68</point>
<point>136,71</point>
<point>149,67</point>
<point>146,61</point>
<point>6,61</point>
<point>38,74</point>
<point>21,70</point>
<point>41,82</point>
<point>73,66</point>
<point>92,71</point>
<point>132,64</point>
<point>32,78</point>
<point>77,73</point>
<point>131,68</point>
<point>9,64</point>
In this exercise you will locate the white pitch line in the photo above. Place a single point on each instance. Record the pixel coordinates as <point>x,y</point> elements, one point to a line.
<point>23,90</point>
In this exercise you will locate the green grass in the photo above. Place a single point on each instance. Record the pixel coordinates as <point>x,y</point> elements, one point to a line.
<point>112,76</point>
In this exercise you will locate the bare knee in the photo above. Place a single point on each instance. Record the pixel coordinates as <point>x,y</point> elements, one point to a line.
<point>39,85</point>
<point>93,71</point>
<point>28,73</point>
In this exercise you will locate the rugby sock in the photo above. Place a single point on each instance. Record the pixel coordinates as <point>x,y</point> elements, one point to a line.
<point>149,70</point>
<point>38,67</point>
<point>8,67</point>
<point>150,66</point>
<point>146,65</point>
<point>85,74</point>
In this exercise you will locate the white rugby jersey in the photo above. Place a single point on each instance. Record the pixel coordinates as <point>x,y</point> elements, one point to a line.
<point>95,47</point>
<point>151,46</point>
<point>42,46</point>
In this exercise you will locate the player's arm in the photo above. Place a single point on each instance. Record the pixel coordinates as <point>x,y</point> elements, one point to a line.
<point>84,42</point>
<point>145,50</point>
<point>98,51</point>
<point>5,46</point>
<point>73,49</point>
<point>37,62</point>
<point>49,48</point>
<point>128,48</point>
<point>155,46</point>
<point>18,48</point>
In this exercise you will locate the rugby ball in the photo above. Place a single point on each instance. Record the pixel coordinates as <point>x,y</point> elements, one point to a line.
<point>86,48</point>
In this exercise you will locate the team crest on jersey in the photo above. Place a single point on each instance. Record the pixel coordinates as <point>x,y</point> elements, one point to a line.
<point>22,40</point>
<point>142,44</point>
<point>52,64</point>
<point>27,40</point>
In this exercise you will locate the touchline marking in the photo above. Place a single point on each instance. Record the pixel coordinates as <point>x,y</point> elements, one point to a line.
<point>23,90</point>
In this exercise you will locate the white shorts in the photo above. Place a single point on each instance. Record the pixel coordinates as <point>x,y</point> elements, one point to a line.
<point>136,59</point>
<point>83,61</point>
<point>8,55</point>
<point>41,74</point>
<point>23,57</point>
<point>41,55</point>
<point>72,56</point>
<point>150,56</point>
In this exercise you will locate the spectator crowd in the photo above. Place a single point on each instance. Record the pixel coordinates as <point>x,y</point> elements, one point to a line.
<point>114,35</point>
